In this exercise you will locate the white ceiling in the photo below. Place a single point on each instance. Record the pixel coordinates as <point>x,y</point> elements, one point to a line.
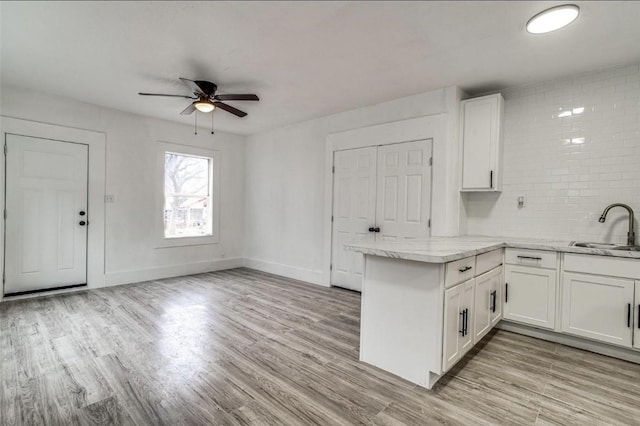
<point>304,59</point>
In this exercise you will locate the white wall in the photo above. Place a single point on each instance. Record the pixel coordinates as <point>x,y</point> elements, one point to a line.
<point>285,192</point>
<point>567,185</point>
<point>130,252</point>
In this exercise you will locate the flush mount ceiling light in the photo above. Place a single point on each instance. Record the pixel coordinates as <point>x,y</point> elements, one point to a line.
<point>204,105</point>
<point>553,19</point>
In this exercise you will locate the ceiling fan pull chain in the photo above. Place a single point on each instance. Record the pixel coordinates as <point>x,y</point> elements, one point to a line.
<point>212,122</point>
<point>195,128</point>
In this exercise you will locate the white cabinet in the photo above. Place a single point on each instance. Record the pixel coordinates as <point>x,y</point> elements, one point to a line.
<point>530,295</point>
<point>598,307</point>
<point>482,143</point>
<point>458,323</point>
<point>488,302</point>
<point>636,333</point>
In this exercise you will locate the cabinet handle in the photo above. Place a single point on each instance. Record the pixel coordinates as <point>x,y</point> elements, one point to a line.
<point>506,292</point>
<point>529,257</point>
<point>466,321</point>
<point>462,323</point>
<point>494,295</point>
<point>639,316</point>
<point>491,179</point>
<point>629,315</point>
<point>465,269</point>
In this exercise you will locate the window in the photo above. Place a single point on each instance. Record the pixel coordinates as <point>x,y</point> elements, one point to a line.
<point>188,195</point>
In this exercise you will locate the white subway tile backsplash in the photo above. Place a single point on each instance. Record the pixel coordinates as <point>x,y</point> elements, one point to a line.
<point>571,147</point>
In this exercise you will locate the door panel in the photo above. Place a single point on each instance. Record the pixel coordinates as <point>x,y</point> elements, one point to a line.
<point>452,326</point>
<point>404,191</point>
<point>600,308</point>
<point>497,279</point>
<point>353,212</point>
<point>530,296</point>
<point>467,300</point>
<point>482,311</point>
<point>46,189</point>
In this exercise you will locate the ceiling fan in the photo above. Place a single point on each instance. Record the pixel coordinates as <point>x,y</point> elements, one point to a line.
<point>205,98</point>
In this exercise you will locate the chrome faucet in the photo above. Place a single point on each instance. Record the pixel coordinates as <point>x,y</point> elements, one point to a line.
<point>631,236</point>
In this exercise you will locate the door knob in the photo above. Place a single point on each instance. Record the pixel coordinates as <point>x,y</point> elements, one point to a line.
<point>82,213</point>
<point>82,223</point>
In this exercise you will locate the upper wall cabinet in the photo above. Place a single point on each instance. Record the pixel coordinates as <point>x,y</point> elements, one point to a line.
<point>482,143</point>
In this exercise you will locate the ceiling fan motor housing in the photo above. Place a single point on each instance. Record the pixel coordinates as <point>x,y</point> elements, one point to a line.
<point>207,87</point>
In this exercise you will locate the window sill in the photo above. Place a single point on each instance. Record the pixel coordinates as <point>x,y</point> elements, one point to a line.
<point>187,241</point>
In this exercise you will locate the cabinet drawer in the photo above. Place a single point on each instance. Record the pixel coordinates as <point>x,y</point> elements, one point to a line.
<point>536,258</point>
<point>487,261</point>
<point>602,265</point>
<point>459,271</point>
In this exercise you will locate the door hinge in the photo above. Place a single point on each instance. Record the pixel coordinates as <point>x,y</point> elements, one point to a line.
<point>333,169</point>
<point>331,267</point>
<point>429,223</point>
<point>331,218</point>
<point>431,161</point>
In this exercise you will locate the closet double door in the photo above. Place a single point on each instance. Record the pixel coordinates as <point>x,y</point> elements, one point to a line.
<point>380,193</point>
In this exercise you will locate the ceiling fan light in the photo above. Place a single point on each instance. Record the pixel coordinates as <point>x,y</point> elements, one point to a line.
<point>553,19</point>
<point>204,106</point>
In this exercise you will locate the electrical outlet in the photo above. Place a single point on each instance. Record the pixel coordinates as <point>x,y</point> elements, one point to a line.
<point>109,198</point>
<point>521,201</point>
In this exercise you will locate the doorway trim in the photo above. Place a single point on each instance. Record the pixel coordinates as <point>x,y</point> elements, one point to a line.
<point>432,127</point>
<point>96,188</point>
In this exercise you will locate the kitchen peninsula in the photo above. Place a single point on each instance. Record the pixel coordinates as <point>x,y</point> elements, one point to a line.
<point>426,303</point>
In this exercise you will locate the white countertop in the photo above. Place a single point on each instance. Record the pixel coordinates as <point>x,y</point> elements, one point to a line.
<point>448,249</point>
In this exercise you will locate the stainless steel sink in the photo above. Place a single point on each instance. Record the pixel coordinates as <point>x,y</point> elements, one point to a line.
<point>605,246</point>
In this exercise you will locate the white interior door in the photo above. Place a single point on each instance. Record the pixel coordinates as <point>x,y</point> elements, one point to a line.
<point>354,209</point>
<point>46,191</point>
<point>404,191</point>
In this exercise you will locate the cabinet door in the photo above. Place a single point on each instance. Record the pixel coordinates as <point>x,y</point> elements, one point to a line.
<point>530,296</point>
<point>483,305</point>
<point>467,299</point>
<point>497,280</point>
<point>458,323</point>
<point>481,140</point>
<point>600,308</point>
<point>636,333</point>
<point>453,320</point>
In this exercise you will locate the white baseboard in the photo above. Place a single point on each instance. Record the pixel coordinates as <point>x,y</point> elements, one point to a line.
<point>575,342</point>
<point>307,275</point>
<point>127,277</point>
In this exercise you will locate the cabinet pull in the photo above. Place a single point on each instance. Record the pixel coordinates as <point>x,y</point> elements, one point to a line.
<point>506,292</point>
<point>529,257</point>
<point>462,323</point>
<point>465,269</point>
<point>491,179</point>
<point>466,321</point>
<point>494,294</point>
<point>639,316</point>
<point>629,315</point>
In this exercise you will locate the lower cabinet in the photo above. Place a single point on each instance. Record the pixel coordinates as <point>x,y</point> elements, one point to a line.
<point>488,302</point>
<point>530,295</point>
<point>600,308</point>
<point>458,322</point>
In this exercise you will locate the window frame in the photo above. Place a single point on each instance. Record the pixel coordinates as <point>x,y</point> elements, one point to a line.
<point>214,182</point>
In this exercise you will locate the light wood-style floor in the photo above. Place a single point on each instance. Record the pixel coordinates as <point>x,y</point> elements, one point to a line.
<point>242,347</point>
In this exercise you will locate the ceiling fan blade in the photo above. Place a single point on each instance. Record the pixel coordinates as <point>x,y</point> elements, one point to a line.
<point>229,108</point>
<point>201,87</point>
<point>245,97</point>
<point>161,94</point>
<point>188,110</point>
